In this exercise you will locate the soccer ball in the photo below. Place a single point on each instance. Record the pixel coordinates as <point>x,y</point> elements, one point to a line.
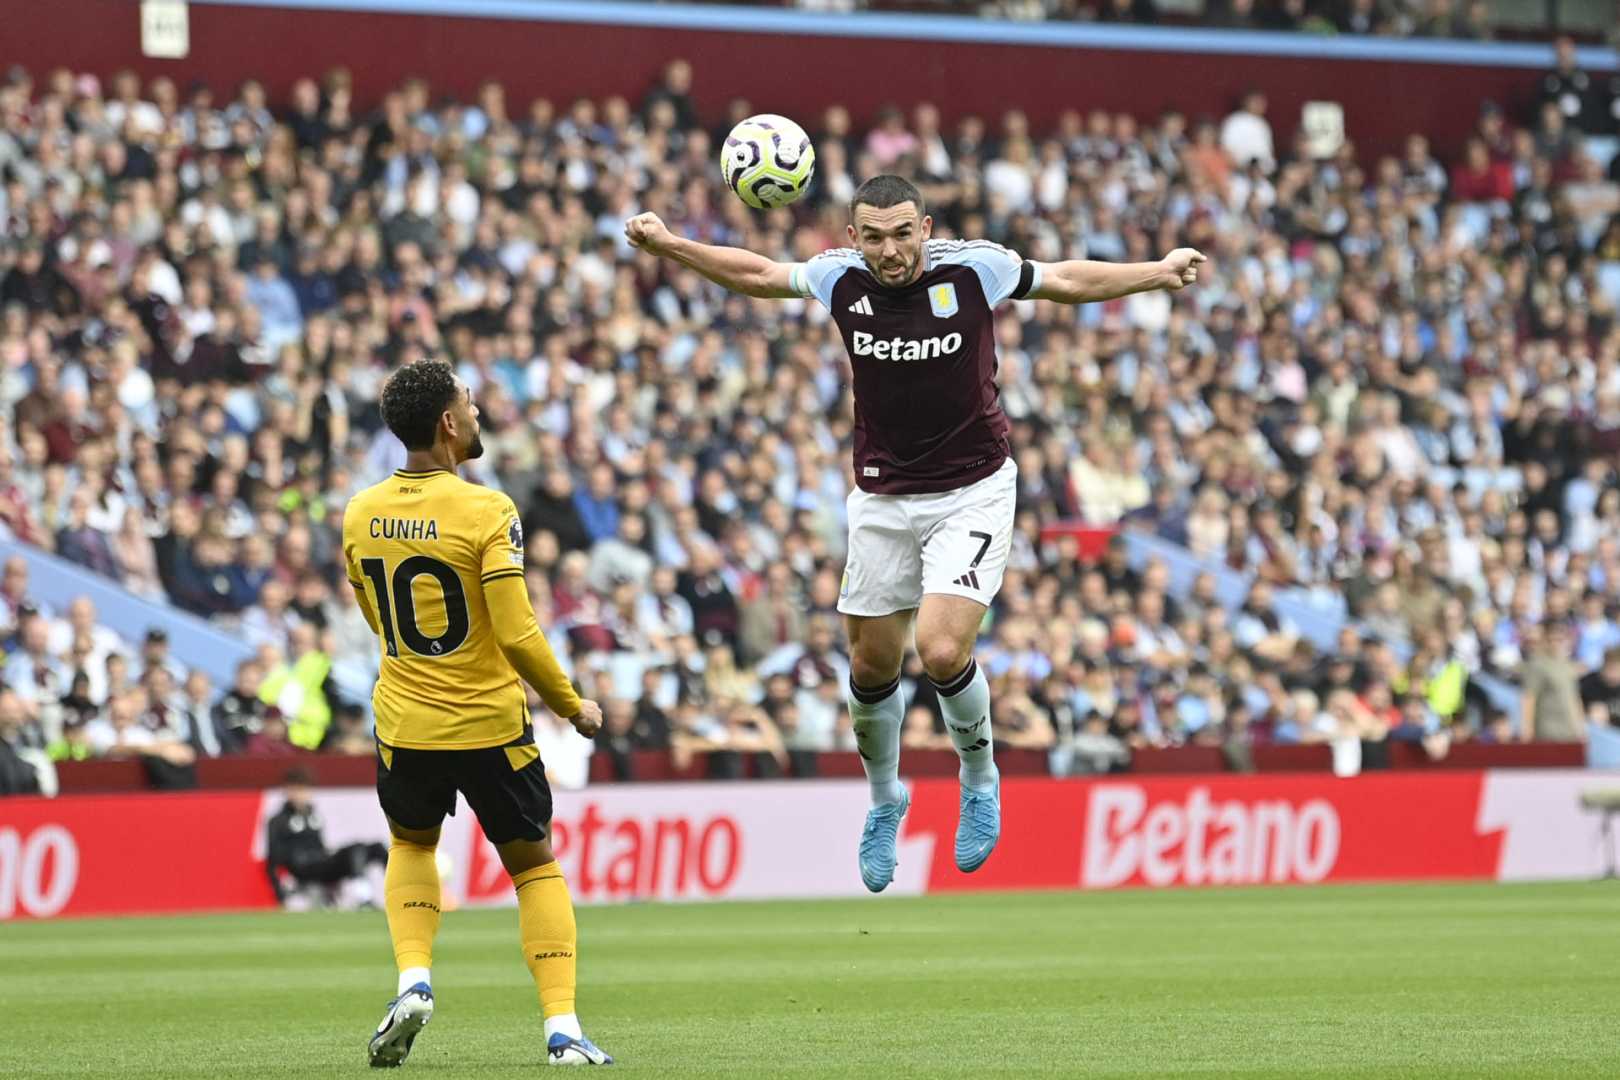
<point>768,161</point>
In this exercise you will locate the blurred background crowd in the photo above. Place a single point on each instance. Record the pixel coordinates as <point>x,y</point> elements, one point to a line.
<point>1470,19</point>
<point>1398,393</point>
<point>1474,20</point>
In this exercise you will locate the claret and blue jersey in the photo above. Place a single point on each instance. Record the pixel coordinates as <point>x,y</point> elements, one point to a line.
<point>927,410</point>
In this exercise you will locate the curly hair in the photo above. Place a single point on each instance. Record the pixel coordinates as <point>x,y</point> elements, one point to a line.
<point>413,399</point>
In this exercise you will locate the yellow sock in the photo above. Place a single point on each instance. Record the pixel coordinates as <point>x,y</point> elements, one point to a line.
<point>411,896</point>
<point>546,918</point>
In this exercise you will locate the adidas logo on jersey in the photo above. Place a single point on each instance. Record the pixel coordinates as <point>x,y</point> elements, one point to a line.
<point>863,306</point>
<point>898,349</point>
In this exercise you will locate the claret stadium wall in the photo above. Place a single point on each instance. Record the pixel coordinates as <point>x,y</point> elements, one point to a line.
<point>565,49</point>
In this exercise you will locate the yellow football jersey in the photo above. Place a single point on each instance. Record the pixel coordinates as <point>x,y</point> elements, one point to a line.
<point>422,545</point>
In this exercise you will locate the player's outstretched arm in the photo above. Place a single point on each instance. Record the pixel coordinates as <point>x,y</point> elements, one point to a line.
<point>734,268</point>
<point>519,637</point>
<point>1081,281</point>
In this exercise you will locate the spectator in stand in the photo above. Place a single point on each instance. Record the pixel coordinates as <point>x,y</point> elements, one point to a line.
<point>78,541</point>
<point>617,739</point>
<point>1552,708</point>
<point>124,732</point>
<point>1128,11</point>
<point>1246,134</point>
<point>1235,15</point>
<point>155,654</point>
<point>195,705</point>
<point>598,504</point>
<point>296,684</point>
<point>1019,722</point>
<point>240,714</point>
<point>889,141</point>
<point>1568,89</point>
<point>1600,691</point>
<point>13,595</point>
<point>621,558</point>
<point>271,740</point>
<point>21,767</point>
<point>553,509</point>
<point>1475,22</point>
<point>1480,179</point>
<point>673,91</point>
<point>33,672</point>
<point>772,620</point>
<point>166,714</point>
<point>350,733</point>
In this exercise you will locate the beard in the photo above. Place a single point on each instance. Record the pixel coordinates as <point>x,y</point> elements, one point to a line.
<point>903,274</point>
<point>476,449</point>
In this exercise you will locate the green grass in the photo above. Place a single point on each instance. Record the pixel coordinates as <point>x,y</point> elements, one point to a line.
<point>1418,981</point>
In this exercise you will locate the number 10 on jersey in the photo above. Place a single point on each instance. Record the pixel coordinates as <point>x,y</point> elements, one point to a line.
<point>396,605</point>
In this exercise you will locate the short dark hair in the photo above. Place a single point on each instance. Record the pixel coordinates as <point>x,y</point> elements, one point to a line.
<point>884,191</point>
<point>413,399</point>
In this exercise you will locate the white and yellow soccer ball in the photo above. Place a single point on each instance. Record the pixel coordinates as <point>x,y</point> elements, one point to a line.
<point>768,161</point>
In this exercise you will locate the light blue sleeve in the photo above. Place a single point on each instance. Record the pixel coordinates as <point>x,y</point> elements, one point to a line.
<point>998,269</point>
<point>818,276</point>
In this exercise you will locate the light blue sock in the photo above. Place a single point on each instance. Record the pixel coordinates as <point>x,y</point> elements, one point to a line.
<point>965,701</point>
<point>876,715</point>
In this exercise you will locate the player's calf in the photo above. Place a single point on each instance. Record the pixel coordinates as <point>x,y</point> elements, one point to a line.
<point>550,943</point>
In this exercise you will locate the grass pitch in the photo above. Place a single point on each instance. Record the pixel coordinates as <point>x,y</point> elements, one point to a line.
<point>1408,981</point>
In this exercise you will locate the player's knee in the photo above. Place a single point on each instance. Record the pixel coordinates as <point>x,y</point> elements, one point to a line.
<point>943,658</point>
<point>421,838</point>
<point>399,849</point>
<point>870,672</point>
<point>521,856</point>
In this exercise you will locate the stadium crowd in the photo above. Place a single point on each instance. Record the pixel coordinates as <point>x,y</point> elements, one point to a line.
<point>1470,19</point>
<point>1401,385</point>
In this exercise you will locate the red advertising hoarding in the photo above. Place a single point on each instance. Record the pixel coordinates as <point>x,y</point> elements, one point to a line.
<point>124,854</point>
<point>130,854</point>
<point>1219,831</point>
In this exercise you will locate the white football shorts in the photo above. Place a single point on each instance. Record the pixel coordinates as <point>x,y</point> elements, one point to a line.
<point>952,542</point>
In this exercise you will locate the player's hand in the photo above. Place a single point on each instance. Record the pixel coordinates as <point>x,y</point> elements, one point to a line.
<point>1181,267</point>
<point>588,721</point>
<point>649,233</point>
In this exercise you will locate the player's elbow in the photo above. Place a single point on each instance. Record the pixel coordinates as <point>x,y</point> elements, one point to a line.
<point>511,640</point>
<point>1075,287</point>
<point>1060,286</point>
<point>769,280</point>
